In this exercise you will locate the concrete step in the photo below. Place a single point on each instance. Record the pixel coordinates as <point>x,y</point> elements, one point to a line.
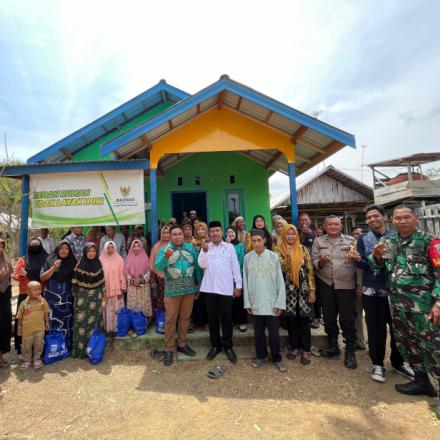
<point>199,340</point>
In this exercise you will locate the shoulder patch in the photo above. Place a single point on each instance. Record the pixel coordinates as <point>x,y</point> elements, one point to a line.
<point>434,252</point>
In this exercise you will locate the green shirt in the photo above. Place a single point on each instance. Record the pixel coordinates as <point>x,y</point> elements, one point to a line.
<point>181,271</point>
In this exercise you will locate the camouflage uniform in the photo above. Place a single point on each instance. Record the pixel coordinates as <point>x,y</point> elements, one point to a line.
<point>414,287</point>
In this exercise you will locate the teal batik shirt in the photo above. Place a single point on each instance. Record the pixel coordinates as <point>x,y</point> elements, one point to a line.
<point>181,270</point>
<point>241,252</point>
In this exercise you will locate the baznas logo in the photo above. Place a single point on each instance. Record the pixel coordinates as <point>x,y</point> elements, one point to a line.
<point>125,190</point>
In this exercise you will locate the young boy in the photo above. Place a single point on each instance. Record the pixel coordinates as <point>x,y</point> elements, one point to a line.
<point>33,320</point>
<point>264,298</point>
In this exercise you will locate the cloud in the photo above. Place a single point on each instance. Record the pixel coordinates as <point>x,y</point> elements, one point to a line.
<point>371,67</point>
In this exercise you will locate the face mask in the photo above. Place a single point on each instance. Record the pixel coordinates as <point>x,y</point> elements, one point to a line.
<point>35,249</point>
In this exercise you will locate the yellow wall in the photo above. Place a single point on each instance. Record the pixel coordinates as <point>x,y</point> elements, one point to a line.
<point>221,130</point>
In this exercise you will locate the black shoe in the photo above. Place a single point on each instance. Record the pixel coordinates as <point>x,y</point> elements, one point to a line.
<point>213,353</point>
<point>186,349</point>
<point>231,355</point>
<point>350,359</point>
<point>420,385</point>
<point>168,358</point>
<point>333,348</point>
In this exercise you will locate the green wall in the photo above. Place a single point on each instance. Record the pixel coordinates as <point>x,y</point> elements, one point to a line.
<point>214,170</point>
<point>92,151</point>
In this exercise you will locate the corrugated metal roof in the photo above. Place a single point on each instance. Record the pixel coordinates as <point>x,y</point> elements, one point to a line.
<point>340,176</point>
<point>415,159</point>
<point>317,141</point>
<point>161,92</point>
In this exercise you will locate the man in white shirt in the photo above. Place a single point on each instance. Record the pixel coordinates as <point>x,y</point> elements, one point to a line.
<point>221,282</point>
<point>48,242</point>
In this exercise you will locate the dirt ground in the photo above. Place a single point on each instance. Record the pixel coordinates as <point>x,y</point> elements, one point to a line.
<point>133,397</point>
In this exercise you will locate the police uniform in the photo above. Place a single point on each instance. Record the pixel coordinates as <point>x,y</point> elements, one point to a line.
<point>336,282</point>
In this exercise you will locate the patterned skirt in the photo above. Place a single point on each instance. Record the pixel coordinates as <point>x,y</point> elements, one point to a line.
<point>157,291</point>
<point>87,314</point>
<point>60,299</point>
<point>139,299</point>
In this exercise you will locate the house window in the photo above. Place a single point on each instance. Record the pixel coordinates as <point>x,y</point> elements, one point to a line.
<point>232,179</point>
<point>180,181</point>
<point>197,180</point>
<point>233,205</point>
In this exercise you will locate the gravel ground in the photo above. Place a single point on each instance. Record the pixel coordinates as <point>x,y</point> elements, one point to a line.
<point>131,397</point>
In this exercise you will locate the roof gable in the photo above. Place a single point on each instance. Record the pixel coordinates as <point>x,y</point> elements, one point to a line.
<point>314,140</point>
<point>110,122</point>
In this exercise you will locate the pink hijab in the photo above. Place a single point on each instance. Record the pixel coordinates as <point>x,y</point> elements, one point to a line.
<point>136,266</point>
<point>113,266</point>
<point>155,252</point>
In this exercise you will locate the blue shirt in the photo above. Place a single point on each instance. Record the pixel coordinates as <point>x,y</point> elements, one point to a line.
<point>374,278</point>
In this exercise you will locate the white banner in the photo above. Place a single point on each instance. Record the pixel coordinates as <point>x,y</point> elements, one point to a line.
<point>92,198</point>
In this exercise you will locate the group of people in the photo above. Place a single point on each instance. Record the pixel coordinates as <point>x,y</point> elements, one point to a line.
<point>79,285</point>
<point>207,276</point>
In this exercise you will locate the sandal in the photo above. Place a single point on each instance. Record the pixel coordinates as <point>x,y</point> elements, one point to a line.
<point>305,360</point>
<point>38,364</point>
<point>24,366</point>
<point>315,351</point>
<point>216,372</point>
<point>257,363</point>
<point>291,355</point>
<point>281,367</point>
<point>157,355</point>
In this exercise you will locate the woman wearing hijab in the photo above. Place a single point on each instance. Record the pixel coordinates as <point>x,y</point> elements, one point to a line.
<point>137,271</point>
<point>28,268</point>
<point>88,289</point>
<point>157,278</point>
<point>199,316</point>
<point>259,223</point>
<point>57,272</point>
<point>115,283</point>
<point>297,268</point>
<point>239,314</point>
<point>5,304</point>
<point>276,233</point>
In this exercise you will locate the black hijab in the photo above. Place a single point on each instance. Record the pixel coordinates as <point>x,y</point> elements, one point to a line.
<point>235,241</point>
<point>65,272</point>
<point>88,273</point>
<point>266,232</point>
<point>34,260</point>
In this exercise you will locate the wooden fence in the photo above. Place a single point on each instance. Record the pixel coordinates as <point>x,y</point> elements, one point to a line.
<point>429,219</point>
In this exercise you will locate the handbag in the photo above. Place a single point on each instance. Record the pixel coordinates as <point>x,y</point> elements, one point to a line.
<point>55,346</point>
<point>139,322</point>
<point>123,322</point>
<point>96,347</point>
<point>160,321</point>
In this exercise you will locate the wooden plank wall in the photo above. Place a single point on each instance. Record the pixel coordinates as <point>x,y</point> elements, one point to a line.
<point>429,219</point>
<point>325,189</point>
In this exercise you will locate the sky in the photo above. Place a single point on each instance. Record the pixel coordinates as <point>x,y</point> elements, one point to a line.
<point>371,68</point>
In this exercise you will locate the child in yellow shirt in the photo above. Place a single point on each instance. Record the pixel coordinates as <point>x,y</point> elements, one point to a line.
<point>33,320</point>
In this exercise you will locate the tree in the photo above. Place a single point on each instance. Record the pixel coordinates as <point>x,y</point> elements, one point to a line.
<point>10,198</point>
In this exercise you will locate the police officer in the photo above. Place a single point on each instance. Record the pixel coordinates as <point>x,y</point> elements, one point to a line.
<point>411,259</point>
<point>333,256</point>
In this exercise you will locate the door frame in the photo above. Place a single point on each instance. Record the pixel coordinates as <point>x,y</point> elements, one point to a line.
<point>190,191</point>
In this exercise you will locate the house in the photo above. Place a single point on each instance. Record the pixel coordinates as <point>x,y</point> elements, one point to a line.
<point>410,185</point>
<point>213,151</point>
<point>331,191</point>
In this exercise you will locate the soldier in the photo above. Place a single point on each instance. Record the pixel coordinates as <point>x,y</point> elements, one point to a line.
<point>411,259</point>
